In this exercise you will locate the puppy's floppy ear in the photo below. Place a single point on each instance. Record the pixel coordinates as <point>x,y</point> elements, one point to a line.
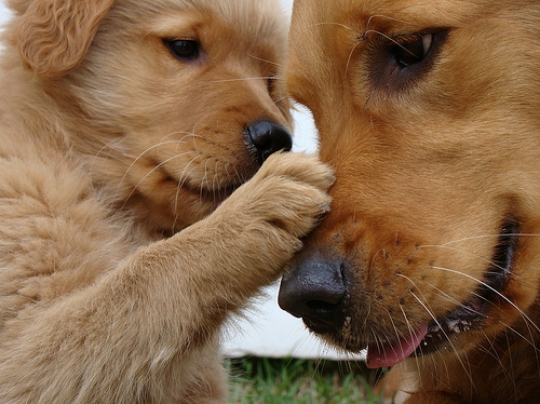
<point>54,35</point>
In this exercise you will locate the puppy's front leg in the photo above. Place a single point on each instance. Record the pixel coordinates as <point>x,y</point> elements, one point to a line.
<point>244,244</point>
<point>137,335</point>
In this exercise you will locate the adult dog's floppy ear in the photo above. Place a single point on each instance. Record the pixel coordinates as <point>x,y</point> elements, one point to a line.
<point>54,35</point>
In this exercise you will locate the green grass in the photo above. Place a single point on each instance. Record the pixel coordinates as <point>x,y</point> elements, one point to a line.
<point>296,381</point>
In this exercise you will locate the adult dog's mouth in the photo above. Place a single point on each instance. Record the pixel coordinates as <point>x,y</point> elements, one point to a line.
<point>431,337</point>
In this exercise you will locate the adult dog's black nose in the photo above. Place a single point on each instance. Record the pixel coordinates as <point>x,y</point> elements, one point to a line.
<point>316,291</point>
<point>267,137</point>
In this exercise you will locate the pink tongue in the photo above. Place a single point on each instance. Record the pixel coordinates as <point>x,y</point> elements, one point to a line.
<point>383,355</point>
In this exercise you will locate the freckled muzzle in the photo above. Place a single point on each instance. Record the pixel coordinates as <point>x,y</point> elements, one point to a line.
<point>316,289</point>
<point>471,313</point>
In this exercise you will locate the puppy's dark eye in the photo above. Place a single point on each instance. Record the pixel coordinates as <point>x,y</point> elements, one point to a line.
<point>183,49</point>
<point>411,50</point>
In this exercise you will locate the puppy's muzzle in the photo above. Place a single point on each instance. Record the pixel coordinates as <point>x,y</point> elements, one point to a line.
<point>316,291</point>
<point>267,137</point>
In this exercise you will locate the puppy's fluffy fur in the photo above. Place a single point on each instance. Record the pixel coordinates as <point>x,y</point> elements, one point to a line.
<point>115,275</point>
<point>428,111</point>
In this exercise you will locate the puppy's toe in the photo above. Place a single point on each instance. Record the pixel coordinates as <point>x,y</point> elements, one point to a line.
<point>301,167</point>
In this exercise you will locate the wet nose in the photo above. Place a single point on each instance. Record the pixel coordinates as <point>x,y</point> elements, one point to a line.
<point>316,291</point>
<point>267,137</point>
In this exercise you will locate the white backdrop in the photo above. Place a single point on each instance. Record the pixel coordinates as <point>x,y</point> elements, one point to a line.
<point>266,330</point>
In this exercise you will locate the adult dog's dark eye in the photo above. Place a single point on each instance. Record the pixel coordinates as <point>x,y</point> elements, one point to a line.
<point>411,50</point>
<point>183,49</point>
<point>401,61</point>
<point>271,84</point>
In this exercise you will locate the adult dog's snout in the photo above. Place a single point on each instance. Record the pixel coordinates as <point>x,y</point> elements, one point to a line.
<point>316,291</point>
<point>267,137</point>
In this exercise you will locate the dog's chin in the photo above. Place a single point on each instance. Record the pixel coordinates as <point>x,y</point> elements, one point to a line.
<point>212,196</point>
<point>169,205</point>
<point>203,201</point>
<point>445,332</point>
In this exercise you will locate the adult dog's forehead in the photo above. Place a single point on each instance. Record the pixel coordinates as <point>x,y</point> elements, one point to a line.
<point>324,34</point>
<point>401,11</point>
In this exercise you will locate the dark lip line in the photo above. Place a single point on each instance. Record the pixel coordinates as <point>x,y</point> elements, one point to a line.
<point>473,312</point>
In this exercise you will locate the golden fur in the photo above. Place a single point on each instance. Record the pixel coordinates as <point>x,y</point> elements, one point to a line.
<point>115,275</point>
<point>429,113</point>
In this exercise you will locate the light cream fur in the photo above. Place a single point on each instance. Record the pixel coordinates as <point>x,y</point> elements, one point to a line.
<point>116,268</point>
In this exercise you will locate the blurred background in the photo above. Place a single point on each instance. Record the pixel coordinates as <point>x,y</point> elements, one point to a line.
<point>266,330</point>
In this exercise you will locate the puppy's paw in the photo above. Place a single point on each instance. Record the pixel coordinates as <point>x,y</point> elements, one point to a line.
<point>298,166</point>
<point>288,193</point>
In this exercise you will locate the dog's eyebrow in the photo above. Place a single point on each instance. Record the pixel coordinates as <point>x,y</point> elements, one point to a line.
<point>382,16</point>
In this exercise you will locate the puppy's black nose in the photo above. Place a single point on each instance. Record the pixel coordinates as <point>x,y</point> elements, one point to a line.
<point>315,291</point>
<point>267,137</point>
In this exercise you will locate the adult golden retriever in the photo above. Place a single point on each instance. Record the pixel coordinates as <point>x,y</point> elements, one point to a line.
<point>429,113</point>
<point>123,125</point>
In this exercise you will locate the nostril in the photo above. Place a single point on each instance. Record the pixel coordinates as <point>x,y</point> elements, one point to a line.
<point>267,137</point>
<point>319,306</point>
<point>316,291</point>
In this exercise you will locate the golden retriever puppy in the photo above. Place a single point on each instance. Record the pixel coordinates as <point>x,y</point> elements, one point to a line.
<point>429,113</point>
<point>127,129</point>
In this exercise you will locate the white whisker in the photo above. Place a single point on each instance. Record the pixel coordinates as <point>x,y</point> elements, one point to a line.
<point>529,341</point>
<point>270,62</point>
<point>465,239</point>
<point>157,167</point>
<point>466,369</point>
<point>108,146</point>
<point>524,315</point>
<point>331,23</point>
<point>155,146</point>
<point>448,247</point>
<point>436,321</point>
<point>350,57</point>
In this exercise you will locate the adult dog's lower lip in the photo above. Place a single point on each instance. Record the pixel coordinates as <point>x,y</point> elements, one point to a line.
<point>429,338</point>
<point>471,313</point>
